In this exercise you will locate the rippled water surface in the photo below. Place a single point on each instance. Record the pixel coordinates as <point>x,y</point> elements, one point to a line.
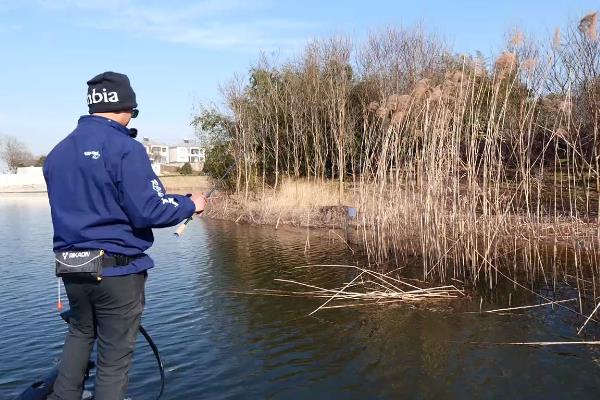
<point>217,344</point>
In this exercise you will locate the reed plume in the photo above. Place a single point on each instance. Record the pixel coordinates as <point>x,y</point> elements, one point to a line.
<point>556,38</point>
<point>588,26</point>
<point>517,38</point>
<point>529,65</point>
<point>505,64</point>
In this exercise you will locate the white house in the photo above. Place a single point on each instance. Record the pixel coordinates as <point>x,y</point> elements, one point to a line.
<point>176,155</point>
<point>186,151</point>
<point>157,152</point>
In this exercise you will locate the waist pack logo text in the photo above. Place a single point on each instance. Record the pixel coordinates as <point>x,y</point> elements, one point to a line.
<point>80,254</point>
<point>102,97</point>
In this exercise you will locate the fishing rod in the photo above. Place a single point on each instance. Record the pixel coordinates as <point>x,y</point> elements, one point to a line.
<point>181,229</point>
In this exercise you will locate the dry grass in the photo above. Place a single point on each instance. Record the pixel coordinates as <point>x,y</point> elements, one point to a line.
<point>295,202</point>
<point>303,195</point>
<point>186,184</point>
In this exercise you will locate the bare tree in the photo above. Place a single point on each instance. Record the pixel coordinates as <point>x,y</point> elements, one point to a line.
<point>15,153</point>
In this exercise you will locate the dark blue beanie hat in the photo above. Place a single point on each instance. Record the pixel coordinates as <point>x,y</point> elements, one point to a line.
<point>110,92</point>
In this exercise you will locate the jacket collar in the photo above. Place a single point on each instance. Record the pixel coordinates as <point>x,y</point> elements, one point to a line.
<point>86,119</point>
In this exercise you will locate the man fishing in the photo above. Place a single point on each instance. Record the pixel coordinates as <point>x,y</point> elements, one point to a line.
<point>105,199</point>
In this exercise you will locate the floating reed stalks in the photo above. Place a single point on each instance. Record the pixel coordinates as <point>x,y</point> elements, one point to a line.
<point>501,310</point>
<point>589,343</point>
<point>368,287</point>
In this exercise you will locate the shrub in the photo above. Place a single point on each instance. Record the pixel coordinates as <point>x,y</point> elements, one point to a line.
<point>218,159</point>
<point>186,169</point>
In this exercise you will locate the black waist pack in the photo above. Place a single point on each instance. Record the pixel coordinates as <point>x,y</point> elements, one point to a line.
<point>79,263</point>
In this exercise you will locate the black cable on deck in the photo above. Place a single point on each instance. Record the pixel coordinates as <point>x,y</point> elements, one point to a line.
<point>158,359</point>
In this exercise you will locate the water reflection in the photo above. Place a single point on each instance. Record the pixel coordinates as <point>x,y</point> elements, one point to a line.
<point>218,344</point>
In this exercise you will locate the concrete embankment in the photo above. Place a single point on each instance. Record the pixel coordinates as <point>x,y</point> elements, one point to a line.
<point>26,180</point>
<point>31,180</point>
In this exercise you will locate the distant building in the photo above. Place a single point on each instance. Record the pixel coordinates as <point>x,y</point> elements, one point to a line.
<point>157,152</point>
<point>167,158</point>
<point>186,151</point>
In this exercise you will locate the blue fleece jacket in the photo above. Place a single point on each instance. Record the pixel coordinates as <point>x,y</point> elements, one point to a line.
<point>104,194</point>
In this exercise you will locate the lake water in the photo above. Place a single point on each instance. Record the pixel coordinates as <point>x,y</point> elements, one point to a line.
<point>220,345</point>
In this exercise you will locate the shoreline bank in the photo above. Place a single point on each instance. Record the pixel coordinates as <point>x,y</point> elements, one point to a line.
<point>467,247</point>
<point>28,184</point>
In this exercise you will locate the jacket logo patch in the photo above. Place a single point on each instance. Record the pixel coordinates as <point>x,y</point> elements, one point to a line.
<point>93,154</point>
<point>103,97</point>
<point>170,200</point>
<point>156,187</point>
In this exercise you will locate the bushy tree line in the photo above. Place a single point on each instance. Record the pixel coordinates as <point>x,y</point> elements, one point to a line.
<point>331,111</point>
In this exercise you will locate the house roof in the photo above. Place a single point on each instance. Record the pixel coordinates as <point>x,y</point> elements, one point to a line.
<point>183,144</point>
<point>150,142</point>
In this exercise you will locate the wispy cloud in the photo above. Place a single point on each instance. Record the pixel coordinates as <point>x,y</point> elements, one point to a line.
<point>218,24</point>
<point>10,28</point>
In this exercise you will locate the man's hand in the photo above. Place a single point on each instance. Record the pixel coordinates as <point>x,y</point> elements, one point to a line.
<point>200,201</point>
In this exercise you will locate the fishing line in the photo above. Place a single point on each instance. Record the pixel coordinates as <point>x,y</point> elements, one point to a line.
<point>181,229</point>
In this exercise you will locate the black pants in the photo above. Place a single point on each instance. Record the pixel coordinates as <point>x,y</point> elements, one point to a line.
<point>109,310</point>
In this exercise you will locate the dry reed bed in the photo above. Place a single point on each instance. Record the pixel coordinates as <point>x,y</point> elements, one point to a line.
<point>296,203</point>
<point>476,166</point>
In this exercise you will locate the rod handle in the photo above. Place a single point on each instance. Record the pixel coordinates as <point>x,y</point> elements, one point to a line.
<point>181,229</point>
<point>179,232</point>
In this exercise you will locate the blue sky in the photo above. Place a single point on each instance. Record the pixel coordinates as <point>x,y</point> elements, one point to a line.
<point>177,53</point>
